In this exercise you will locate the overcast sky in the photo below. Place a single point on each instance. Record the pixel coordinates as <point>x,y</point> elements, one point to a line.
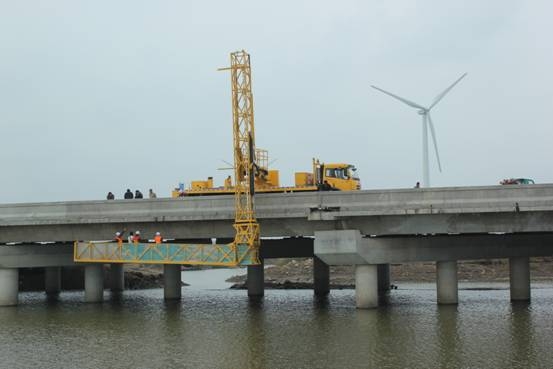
<point>102,96</point>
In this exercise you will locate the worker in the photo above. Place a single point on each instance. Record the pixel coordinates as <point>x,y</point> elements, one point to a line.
<point>418,185</point>
<point>118,237</point>
<point>228,182</point>
<point>152,194</point>
<point>138,195</point>
<point>136,237</point>
<point>128,195</point>
<point>158,238</point>
<point>327,186</point>
<point>130,237</point>
<point>110,196</point>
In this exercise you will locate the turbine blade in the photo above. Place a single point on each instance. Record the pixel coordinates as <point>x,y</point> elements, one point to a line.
<point>410,103</point>
<point>434,140</point>
<point>441,96</point>
<point>227,163</point>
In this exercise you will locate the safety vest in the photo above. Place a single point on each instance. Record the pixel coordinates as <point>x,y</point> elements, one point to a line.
<point>136,238</point>
<point>157,239</point>
<point>119,239</point>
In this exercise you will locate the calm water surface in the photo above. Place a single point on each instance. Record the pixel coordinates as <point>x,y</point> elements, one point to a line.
<point>218,328</point>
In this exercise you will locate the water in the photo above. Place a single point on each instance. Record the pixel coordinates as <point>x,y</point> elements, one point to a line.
<point>287,329</point>
<point>211,279</point>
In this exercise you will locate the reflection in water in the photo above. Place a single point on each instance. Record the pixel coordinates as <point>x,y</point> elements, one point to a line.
<point>287,329</point>
<point>255,336</point>
<point>522,350</point>
<point>449,349</point>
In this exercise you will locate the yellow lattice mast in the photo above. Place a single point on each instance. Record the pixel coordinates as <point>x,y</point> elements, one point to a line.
<point>245,223</point>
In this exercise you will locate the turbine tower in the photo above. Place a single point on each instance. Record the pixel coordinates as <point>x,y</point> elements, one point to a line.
<point>426,121</point>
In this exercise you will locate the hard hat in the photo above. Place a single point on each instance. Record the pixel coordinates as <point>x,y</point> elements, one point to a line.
<point>118,233</point>
<point>137,232</point>
<point>157,233</point>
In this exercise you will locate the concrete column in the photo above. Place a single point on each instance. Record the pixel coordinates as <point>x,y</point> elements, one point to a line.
<point>94,282</point>
<point>256,280</point>
<point>172,284</point>
<point>117,277</point>
<point>366,286</point>
<point>519,268</point>
<point>321,277</point>
<point>383,278</point>
<point>52,280</point>
<point>9,286</point>
<point>446,280</point>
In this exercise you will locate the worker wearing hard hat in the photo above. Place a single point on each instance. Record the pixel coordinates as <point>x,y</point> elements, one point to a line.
<point>158,238</point>
<point>136,237</point>
<point>118,237</point>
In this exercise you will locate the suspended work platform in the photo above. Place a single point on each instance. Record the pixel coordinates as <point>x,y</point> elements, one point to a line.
<point>165,253</point>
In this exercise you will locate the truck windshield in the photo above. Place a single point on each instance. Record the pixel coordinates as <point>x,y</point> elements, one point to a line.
<point>337,173</point>
<point>353,172</point>
<point>342,173</point>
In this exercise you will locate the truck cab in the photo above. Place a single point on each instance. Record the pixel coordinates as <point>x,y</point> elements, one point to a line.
<point>341,176</point>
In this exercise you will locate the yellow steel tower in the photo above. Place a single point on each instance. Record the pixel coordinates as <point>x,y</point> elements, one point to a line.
<point>245,224</point>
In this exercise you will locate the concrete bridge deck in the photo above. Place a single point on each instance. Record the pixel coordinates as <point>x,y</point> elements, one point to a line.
<point>367,228</point>
<point>382,212</point>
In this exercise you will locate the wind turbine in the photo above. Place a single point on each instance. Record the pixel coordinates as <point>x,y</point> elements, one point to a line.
<point>426,121</point>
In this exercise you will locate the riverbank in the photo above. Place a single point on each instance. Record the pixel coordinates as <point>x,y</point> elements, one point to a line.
<point>137,277</point>
<point>298,273</point>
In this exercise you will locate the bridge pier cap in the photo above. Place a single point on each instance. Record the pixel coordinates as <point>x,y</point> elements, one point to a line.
<point>339,247</point>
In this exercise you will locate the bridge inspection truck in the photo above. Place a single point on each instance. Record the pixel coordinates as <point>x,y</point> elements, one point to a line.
<point>323,177</point>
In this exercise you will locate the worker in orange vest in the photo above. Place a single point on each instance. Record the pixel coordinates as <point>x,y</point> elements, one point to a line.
<point>136,237</point>
<point>158,238</point>
<point>118,237</point>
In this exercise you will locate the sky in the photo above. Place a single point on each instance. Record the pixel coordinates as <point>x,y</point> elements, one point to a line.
<point>99,96</point>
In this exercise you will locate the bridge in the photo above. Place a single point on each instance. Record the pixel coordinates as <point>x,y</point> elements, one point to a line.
<point>369,229</point>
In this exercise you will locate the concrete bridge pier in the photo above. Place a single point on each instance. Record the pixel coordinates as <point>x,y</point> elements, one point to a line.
<point>94,283</point>
<point>383,278</point>
<point>9,286</point>
<point>256,280</point>
<point>52,280</point>
<point>366,286</point>
<point>172,282</point>
<point>519,268</point>
<point>446,281</point>
<point>321,277</point>
<point>117,277</point>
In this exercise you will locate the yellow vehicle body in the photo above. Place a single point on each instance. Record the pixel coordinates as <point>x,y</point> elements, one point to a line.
<point>324,177</point>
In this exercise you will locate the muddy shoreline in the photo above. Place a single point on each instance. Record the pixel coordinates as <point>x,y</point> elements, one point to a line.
<point>137,277</point>
<point>298,273</point>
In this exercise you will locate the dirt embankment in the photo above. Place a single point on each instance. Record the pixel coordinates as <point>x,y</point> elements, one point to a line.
<point>298,273</point>
<point>137,277</point>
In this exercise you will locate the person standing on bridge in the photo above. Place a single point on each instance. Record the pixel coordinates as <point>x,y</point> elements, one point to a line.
<point>118,238</point>
<point>138,195</point>
<point>136,237</point>
<point>130,237</point>
<point>158,238</point>
<point>110,196</point>
<point>128,194</point>
<point>152,194</point>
